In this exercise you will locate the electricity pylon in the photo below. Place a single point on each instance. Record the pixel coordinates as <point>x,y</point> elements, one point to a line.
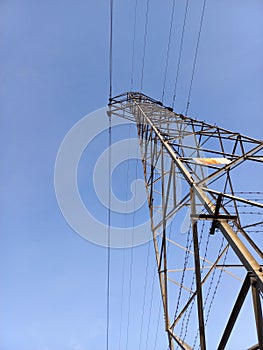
<point>206,235</point>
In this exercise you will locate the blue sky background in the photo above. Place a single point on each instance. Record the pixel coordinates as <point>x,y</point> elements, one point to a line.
<point>54,70</point>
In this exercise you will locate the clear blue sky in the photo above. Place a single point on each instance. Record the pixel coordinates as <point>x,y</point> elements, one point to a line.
<point>54,71</point>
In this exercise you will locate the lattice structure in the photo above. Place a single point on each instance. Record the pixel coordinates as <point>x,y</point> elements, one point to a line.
<point>206,235</point>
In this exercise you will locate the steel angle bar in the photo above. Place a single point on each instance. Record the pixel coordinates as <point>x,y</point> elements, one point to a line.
<point>199,292</point>
<point>257,311</point>
<point>180,285</point>
<point>183,345</point>
<point>234,314</point>
<point>254,347</point>
<point>236,198</point>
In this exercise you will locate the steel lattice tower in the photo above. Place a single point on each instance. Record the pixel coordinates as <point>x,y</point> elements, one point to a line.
<point>203,229</point>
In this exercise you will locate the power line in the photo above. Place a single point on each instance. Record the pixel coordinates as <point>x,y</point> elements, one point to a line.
<point>186,259</point>
<point>168,49</point>
<point>131,262</point>
<point>122,296</point>
<point>109,177</point>
<point>145,41</point>
<point>129,299</point>
<point>180,53</point>
<point>124,250</point>
<point>216,288</point>
<point>212,280</point>
<point>158,324</point>
<point>133,43</point>
<point>150,312</point>
<point>144,295</point>
<point>109,241</point>
<point>186,318</point>
<point>110,51</point>
<point>195,57</point>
